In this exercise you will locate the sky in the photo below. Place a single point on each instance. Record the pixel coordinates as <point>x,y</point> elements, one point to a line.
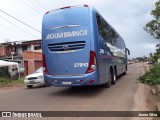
<point>128,17</point>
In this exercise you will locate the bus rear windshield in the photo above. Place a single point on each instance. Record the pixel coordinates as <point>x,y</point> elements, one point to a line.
<point>68,16</point>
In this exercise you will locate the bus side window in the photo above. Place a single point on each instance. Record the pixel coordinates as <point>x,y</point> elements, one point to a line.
<point>100,25</point>
<point>98,20</point>
<point>106,31</point>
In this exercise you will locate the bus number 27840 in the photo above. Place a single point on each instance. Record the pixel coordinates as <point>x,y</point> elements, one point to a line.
<point>80,64</point>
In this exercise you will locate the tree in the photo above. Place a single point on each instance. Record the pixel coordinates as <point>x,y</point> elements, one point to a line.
<point>153,27</point>
<point>140,58</point>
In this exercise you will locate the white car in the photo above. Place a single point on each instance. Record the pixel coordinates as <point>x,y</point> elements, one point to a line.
<point>35,79</point>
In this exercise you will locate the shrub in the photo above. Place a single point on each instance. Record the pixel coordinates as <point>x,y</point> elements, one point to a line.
<point>152,76</point>
<point>7,82</point>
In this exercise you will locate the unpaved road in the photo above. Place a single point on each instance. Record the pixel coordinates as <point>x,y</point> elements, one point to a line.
<point>122,96</point>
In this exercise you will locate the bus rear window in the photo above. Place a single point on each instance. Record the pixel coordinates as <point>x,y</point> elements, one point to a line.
<point>63,17</point>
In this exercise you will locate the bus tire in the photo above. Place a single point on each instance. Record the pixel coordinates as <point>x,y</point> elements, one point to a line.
<point>125,71</point>
<point>107,84</point>
<point>113,76</point>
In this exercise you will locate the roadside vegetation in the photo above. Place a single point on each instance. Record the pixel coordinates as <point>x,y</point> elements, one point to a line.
<point>8,82</point>
<point>153,75</point>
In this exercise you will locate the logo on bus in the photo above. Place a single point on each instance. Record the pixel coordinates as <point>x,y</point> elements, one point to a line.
<point>67,34</point>
<point>65,47</point>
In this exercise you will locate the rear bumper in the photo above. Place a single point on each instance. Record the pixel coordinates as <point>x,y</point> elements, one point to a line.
<point>85,80</point>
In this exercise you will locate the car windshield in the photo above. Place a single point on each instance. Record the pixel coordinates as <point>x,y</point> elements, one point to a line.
<point>40,70</point>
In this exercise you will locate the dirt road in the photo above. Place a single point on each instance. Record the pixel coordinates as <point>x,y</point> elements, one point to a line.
<point>125,95</point>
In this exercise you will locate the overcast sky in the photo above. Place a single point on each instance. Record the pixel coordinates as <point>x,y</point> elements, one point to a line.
<point>128,17</point>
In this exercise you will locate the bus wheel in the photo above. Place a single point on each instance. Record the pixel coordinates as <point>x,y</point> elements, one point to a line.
<point>113,76</point>
<point>125,71</point>
<point>108,84</point>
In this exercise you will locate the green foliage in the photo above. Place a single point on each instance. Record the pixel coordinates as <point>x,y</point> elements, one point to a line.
<point>5,81</point>
<point>152,76</point>
<point>19,81</point>
<point>144,58</point>
<point>154,57</point>
<point>153,26</point>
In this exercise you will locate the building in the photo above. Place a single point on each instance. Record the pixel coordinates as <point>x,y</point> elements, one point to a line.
<point>32,61</point>
<point>28,54</point>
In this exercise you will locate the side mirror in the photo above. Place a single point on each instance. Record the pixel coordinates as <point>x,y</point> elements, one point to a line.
<point>128,51</point>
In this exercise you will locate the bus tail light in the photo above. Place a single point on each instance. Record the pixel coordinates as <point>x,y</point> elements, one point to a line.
<point>92,63</point>
<point>44,65</point>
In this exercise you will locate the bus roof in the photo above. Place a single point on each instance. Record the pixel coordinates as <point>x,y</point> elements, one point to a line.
<point>68,7</point>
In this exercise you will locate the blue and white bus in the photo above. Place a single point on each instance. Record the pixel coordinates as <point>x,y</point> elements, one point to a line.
<point>80,48</point>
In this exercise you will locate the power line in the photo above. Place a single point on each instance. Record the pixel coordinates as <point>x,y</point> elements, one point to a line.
<point>8,28</point>
<point>41,5</point>
<point>6,35</point>
<point>17,26</point>
<point>34,4</point>
<point>20,21</point>
<point>25,3</point>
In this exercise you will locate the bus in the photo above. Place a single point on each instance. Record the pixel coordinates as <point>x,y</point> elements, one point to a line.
<point>80,48</point>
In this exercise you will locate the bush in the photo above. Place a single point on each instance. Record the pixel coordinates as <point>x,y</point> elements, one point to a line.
<point>152,76</point>
<point>4,81</point>
<point>7,82</point>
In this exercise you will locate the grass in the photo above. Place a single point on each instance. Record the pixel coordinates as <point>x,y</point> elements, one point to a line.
<point>152,76</point>
<point>7,82</point>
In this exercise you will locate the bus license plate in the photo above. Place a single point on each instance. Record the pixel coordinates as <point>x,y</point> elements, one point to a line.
<point>66,83</point>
